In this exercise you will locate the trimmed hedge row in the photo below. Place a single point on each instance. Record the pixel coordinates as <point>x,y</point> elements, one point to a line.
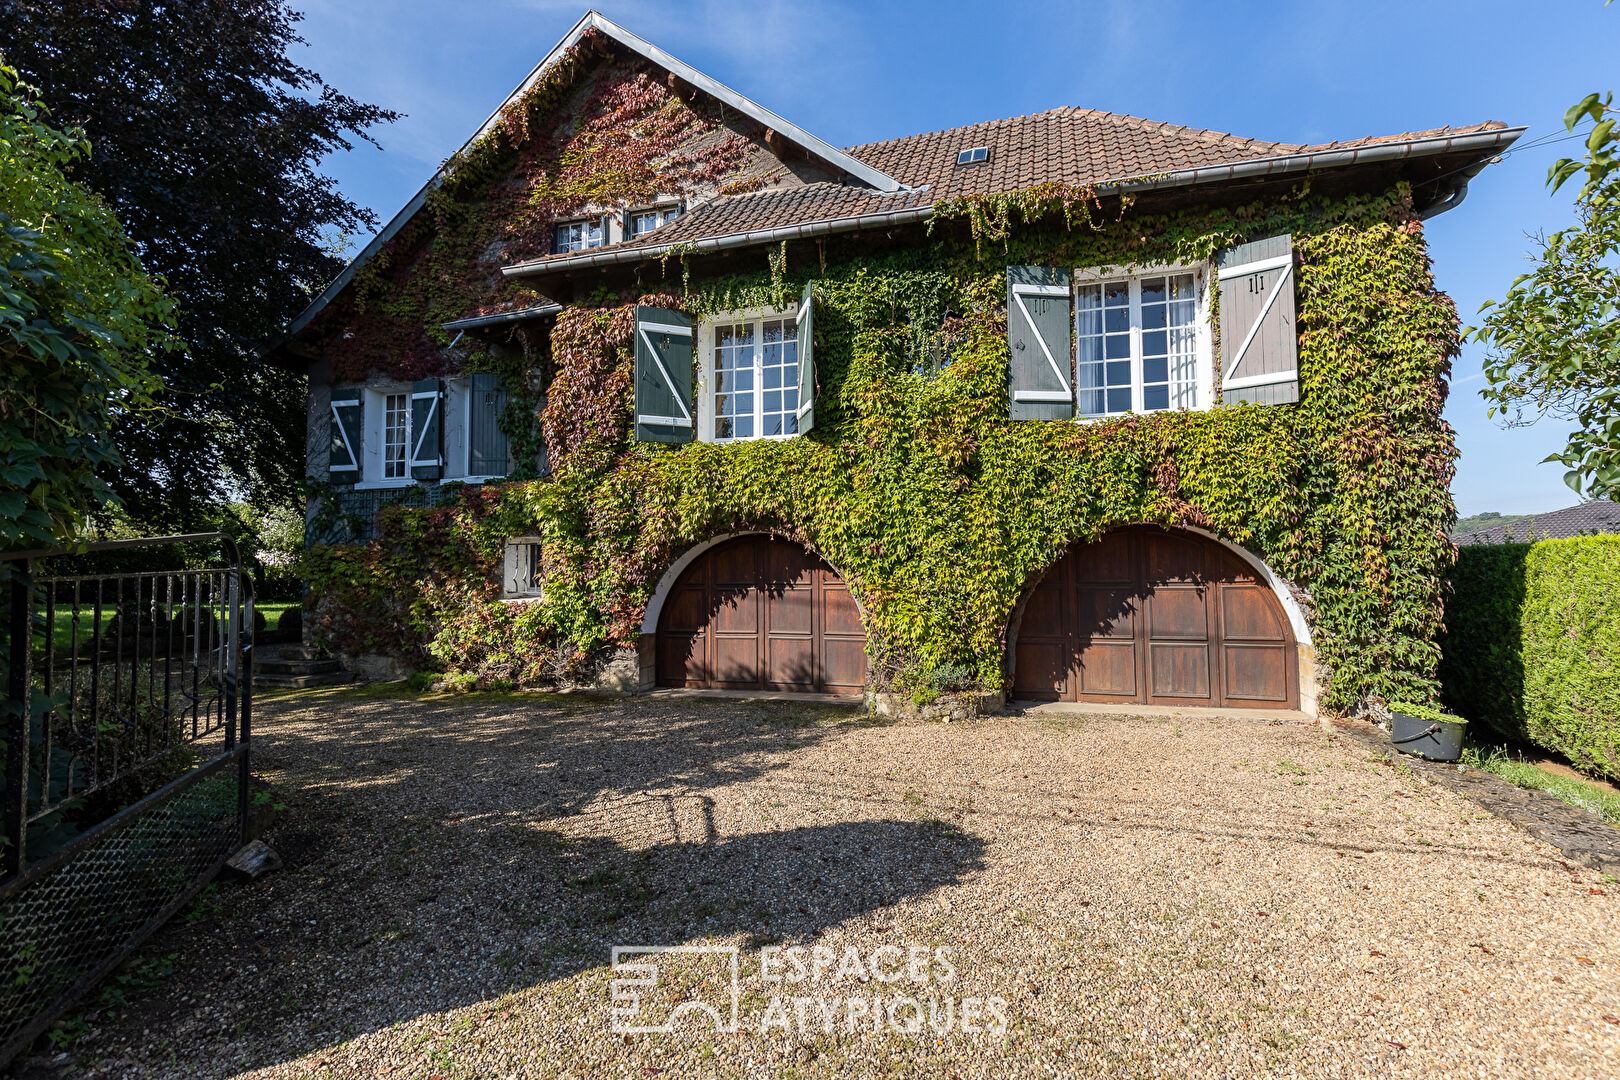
<point>1532,645</point>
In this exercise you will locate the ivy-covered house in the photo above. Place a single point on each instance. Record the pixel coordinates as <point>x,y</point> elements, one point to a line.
<point>651,386</point>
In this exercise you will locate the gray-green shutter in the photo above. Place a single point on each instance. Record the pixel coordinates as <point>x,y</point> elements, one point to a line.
<point>663,375</point>
<point>1259,343</point>
<point>1040,372</point>
<point>487,452</point>
<point>344,463</point>
<point>427,427</point>
<point>807,360</point>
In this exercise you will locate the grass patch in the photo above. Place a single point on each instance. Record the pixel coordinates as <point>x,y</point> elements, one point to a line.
<point>1516,770</point>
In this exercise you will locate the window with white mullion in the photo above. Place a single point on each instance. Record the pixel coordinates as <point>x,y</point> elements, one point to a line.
<point>396,430</point>
<point>756,380</point>
<point>1104,382</point>
<point>1136,344</point>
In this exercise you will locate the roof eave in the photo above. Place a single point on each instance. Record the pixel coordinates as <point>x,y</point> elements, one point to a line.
<point>1258,168</point>
<point>595,20</point>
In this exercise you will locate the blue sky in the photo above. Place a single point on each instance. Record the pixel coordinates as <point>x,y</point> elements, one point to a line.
<point>854,71</point>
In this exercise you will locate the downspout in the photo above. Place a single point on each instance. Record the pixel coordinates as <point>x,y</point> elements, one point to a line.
<point>1450,202</point>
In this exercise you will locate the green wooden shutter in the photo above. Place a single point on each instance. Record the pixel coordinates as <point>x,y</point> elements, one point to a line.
<point>1040,372</point>
<point>807,360</point>
<point>427,427</point>
<point>663,375</point>
<point>1259,343</point>
<point>344,462</point>
<point>487,452</point>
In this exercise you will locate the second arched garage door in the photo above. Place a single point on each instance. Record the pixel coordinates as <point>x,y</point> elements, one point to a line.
<point>759,613</point>
<point>1158,617</point>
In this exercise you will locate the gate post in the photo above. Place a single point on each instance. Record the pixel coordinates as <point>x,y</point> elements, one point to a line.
<point>21,647</point>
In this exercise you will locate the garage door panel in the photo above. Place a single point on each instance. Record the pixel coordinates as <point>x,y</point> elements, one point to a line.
<point>1111,559</point>
<point>1106,612</point>
<point>1180,671</point>
<point>736,611</point>
<point>681,660</point>
<point>792,663</point>
<point>736,661</point>
<point>1250,613</point>
<point>1257,672</point>
<point>840,615</point>
<point>1170,558</point>
<point>1043,612</point>
<point>1179,612</point>
<point>843,665</point>
<point>1041,669</point>
<point>686,610</point>
<point>1153,615</point>
<point>1108,668</point>
<point>734,565</point>
<point>791,611</point>
<point>761,613</point>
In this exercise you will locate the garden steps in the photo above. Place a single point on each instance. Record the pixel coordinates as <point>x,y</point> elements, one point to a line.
<point>296,667</point>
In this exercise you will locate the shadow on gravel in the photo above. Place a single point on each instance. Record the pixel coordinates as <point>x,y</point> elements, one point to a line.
<point>441,852</point>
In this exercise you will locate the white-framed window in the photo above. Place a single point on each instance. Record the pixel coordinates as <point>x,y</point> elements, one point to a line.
<point>643,222</point>
<point>385,444</point>
<point>520,578</point>
<point>750,382</point>
<point>578,235</point>
<point>1142,341</point>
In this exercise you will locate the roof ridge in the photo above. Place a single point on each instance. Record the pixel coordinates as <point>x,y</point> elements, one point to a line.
<point>961,127</point>
<point>1208,136</point>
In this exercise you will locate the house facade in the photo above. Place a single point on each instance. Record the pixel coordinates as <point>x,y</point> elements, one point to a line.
<point>651,387</point>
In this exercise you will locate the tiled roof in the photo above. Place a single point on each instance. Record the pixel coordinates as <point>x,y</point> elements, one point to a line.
<point>1079,146</point>
<point>1067,145</point>
<point>1600,516</point>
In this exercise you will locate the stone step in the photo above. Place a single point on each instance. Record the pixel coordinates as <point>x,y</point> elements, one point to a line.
<point>301,682</point>
<point>286,666</point>
<point>290,652</point>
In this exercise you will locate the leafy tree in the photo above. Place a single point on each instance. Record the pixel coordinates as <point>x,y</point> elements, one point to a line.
<point>1554,339</point>
<point>207,140</point>
<point>77,318</point>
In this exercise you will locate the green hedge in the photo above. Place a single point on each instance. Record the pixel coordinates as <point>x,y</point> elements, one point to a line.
<point>1532,645</point>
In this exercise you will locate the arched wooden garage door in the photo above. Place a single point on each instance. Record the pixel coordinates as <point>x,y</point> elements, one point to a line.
<point>1159,617</point>
<point>758,613</point>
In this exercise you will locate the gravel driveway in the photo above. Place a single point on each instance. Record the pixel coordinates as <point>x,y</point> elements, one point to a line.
<point>1208,896</point>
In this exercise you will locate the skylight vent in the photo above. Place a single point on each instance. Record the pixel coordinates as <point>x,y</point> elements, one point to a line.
<point>968,157</point>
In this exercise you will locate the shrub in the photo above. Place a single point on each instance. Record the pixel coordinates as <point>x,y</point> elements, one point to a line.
<point>1532,645</point>
<point>290,623</point>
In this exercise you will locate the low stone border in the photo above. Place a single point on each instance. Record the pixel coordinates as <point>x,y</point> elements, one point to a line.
<point>1582,836</point>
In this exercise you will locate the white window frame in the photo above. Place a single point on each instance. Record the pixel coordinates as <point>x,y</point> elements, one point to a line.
<point>374,408</point>
<point>518,550</point>
<point>457,427</point>
<point>603,224</point>
<point>706,380</point>
<point>1203,340</point>
<point>664,212</point>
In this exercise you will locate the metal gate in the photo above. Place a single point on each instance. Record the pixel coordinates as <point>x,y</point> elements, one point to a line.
<point>126,727</point>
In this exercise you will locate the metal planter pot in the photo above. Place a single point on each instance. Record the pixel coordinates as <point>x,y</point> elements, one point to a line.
<point>1435,740</point>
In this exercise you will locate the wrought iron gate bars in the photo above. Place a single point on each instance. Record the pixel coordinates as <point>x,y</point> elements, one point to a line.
<point>191,631</point>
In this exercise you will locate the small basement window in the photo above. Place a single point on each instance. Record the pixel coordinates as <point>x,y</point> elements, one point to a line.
<point>521,576</point>
<point>968,157</point>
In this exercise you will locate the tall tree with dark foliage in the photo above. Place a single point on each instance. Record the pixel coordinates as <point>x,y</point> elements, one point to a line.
<point>206,140</point>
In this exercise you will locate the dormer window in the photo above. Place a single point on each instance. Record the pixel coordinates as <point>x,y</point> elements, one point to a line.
<point>641,222</point>
<point>578,235</point>
<point>976,154</point>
